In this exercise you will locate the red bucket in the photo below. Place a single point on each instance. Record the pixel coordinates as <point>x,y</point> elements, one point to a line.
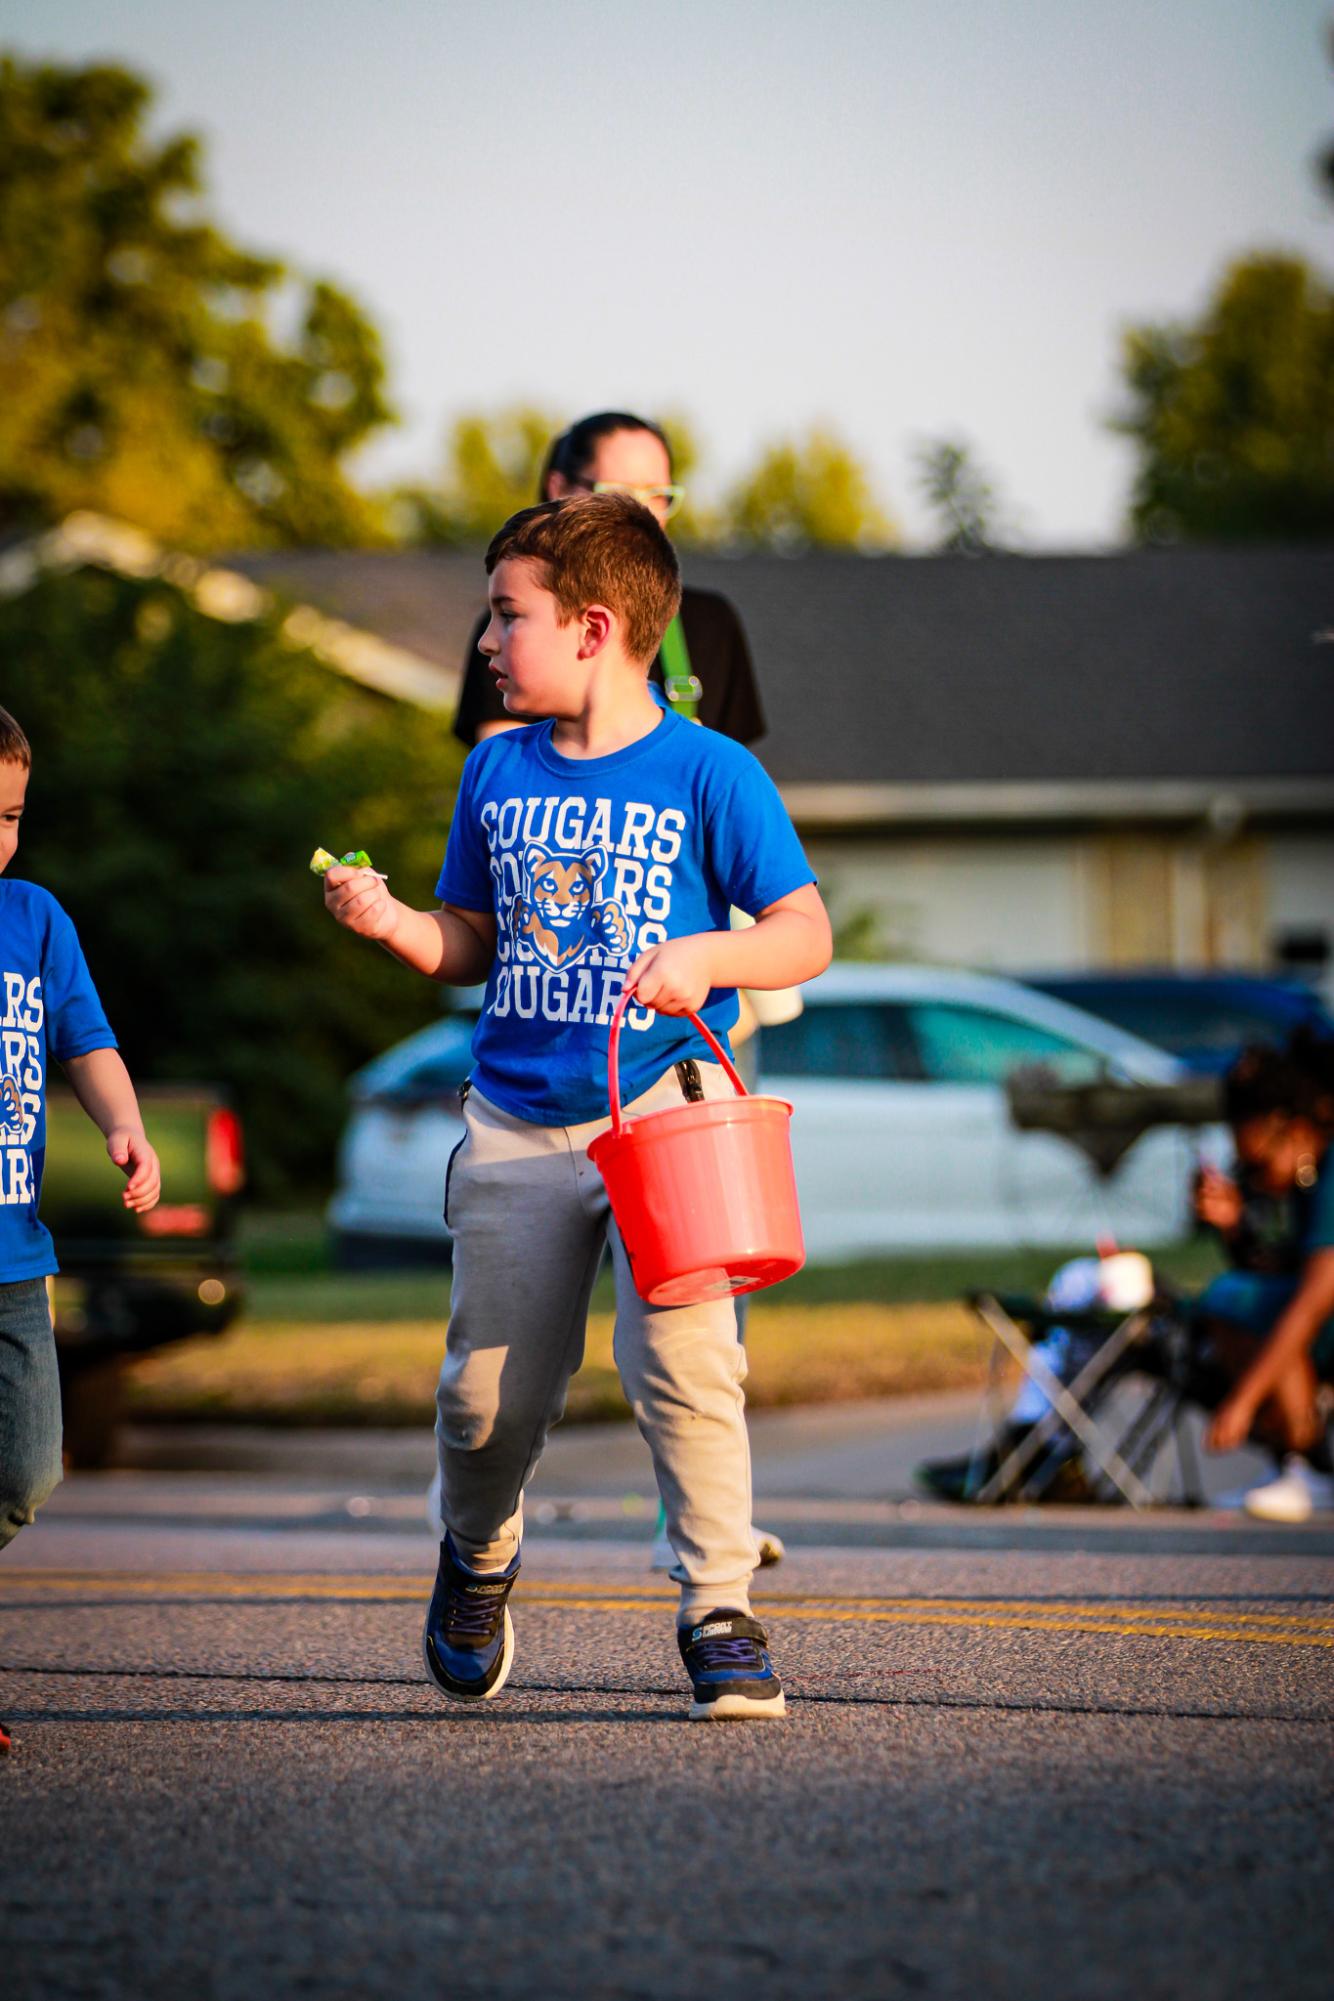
<point>704,1195</point>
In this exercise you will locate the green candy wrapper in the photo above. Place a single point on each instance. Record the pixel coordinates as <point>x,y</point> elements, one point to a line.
<point>322,861</point>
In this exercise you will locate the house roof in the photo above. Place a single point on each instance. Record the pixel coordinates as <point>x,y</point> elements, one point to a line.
<point>1161,684</point>
<point>1153,668</point>
<point>98,541</point>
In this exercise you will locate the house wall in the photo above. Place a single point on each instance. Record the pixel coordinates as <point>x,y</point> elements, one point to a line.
<point>984,899</point>
<point>1070,899</point>
<point>1301,878</point>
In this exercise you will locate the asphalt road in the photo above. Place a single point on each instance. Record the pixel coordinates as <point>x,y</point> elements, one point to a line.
<point>1026,1753</point>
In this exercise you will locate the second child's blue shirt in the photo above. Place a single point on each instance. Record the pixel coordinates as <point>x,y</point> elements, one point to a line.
<point>48,1008</point>
<point>586,863</point>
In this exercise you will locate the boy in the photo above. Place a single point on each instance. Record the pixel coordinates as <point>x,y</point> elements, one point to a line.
<point>598,849</point>
<point>48,1007</point>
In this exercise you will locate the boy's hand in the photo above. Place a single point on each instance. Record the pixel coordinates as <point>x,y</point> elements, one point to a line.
<point>674,977</point>
<point>1217,1200</point>
<point>129,1148</point>
<point>359,900</point>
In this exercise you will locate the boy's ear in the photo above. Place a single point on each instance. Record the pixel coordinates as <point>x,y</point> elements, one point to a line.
<point>599,623</point>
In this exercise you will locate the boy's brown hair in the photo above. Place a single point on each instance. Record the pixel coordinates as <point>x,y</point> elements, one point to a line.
<point>14,746</point>
<point>599,548</point>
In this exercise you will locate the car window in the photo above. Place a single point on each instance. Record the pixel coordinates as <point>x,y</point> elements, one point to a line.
<point>435,1074</point>
<point>849,1039</point>
<point>1186,1022</point>
<point>972,1045</point>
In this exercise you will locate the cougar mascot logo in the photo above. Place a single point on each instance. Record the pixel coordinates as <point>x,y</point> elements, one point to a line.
<point>11,1108</point>
<point>559,914</point>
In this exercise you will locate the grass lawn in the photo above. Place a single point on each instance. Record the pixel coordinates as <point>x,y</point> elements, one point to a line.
<point>317,1346</point>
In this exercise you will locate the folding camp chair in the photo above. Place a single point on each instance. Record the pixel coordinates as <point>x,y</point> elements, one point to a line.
<point>1151,1343</point>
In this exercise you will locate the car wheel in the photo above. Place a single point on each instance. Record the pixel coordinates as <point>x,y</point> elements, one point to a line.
<point>92,1398</point>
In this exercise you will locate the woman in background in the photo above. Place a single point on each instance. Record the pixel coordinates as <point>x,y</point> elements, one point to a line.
<point>704,670</point>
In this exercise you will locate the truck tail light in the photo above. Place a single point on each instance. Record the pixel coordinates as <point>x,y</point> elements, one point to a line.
<point>224,1152</point>
<point>180,1219</point>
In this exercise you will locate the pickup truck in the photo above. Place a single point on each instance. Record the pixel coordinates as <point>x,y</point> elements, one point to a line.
<point>127,1283</point>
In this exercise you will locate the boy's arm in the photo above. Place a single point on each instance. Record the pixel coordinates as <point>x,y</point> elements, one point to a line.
<point>788,943</point>
<point>452,945</point>
<point>101,1083</point>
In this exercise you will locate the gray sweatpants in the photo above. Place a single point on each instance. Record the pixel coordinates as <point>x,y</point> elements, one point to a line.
<point>530,1216</point>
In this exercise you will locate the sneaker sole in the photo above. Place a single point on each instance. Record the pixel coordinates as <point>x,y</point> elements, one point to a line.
<point>739,1709</point>
<point>1285,1516</point>
<point>487,1695</point>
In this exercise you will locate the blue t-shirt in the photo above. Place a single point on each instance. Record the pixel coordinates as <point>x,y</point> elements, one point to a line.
<point>48,1008</point>
<point>586,863</point>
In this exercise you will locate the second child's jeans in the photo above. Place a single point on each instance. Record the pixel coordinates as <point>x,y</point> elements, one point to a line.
<point>29,1405</point>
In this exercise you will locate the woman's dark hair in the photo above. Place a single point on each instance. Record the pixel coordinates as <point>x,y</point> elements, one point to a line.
<point>1296,1081</point>
<point>572,453</point>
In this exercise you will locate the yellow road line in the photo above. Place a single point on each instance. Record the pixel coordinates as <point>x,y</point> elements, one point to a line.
<point>1179,1621</point>
<point>334,1584</point>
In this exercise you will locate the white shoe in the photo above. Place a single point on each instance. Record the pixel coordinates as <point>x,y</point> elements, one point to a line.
<point>1299,1492</point>
<point>771,1547</point>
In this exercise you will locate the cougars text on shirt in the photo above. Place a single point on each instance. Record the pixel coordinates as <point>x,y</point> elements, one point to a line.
<point>21,1080</point>
<point>582,888</point>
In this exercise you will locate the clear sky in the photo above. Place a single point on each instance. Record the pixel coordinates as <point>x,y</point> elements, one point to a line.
<point>904,217</point>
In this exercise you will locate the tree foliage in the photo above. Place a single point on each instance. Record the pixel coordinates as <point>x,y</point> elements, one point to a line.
<point>493,462</point>
<point>808,493</point>
<point>184,770</point>
<point>1234,416</point>
<point>961,496</point>
<point>140,370</point>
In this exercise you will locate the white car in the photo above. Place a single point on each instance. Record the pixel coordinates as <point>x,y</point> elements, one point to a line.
<point>902,1136</point>
<point>406,1120</point>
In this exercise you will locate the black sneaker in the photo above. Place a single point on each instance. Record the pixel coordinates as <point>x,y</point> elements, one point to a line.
<point>729,1670</point>
<point>468,1644</point>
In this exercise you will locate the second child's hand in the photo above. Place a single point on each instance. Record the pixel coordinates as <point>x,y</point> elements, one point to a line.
<point>129,1148</point>
<point>675,977</point>
<point>359,900</point>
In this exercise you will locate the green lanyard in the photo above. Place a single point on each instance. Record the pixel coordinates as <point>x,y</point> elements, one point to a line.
<point>682,686</point>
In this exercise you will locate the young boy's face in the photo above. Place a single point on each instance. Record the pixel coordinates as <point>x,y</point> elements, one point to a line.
<point>534,658</point>
<point>13,791</point>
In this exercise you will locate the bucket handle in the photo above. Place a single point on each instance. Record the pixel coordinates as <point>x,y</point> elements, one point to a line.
<point>614,1059</point>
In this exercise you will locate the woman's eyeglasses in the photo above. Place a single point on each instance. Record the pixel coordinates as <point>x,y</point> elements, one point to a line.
<point>670,496</point>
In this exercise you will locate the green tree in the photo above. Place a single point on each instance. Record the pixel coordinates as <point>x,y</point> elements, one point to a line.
<point>961,495</point>
<point>809,492</point>
<point>493,461</point>
<point>1234,416</point>
<point>184,770</point>
<point>140,370</point>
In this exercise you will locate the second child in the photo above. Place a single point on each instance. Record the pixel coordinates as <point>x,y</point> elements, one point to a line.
<point>595,849</point>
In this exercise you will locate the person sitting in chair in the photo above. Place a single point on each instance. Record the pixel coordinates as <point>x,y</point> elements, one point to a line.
<point>1269,1322</point>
